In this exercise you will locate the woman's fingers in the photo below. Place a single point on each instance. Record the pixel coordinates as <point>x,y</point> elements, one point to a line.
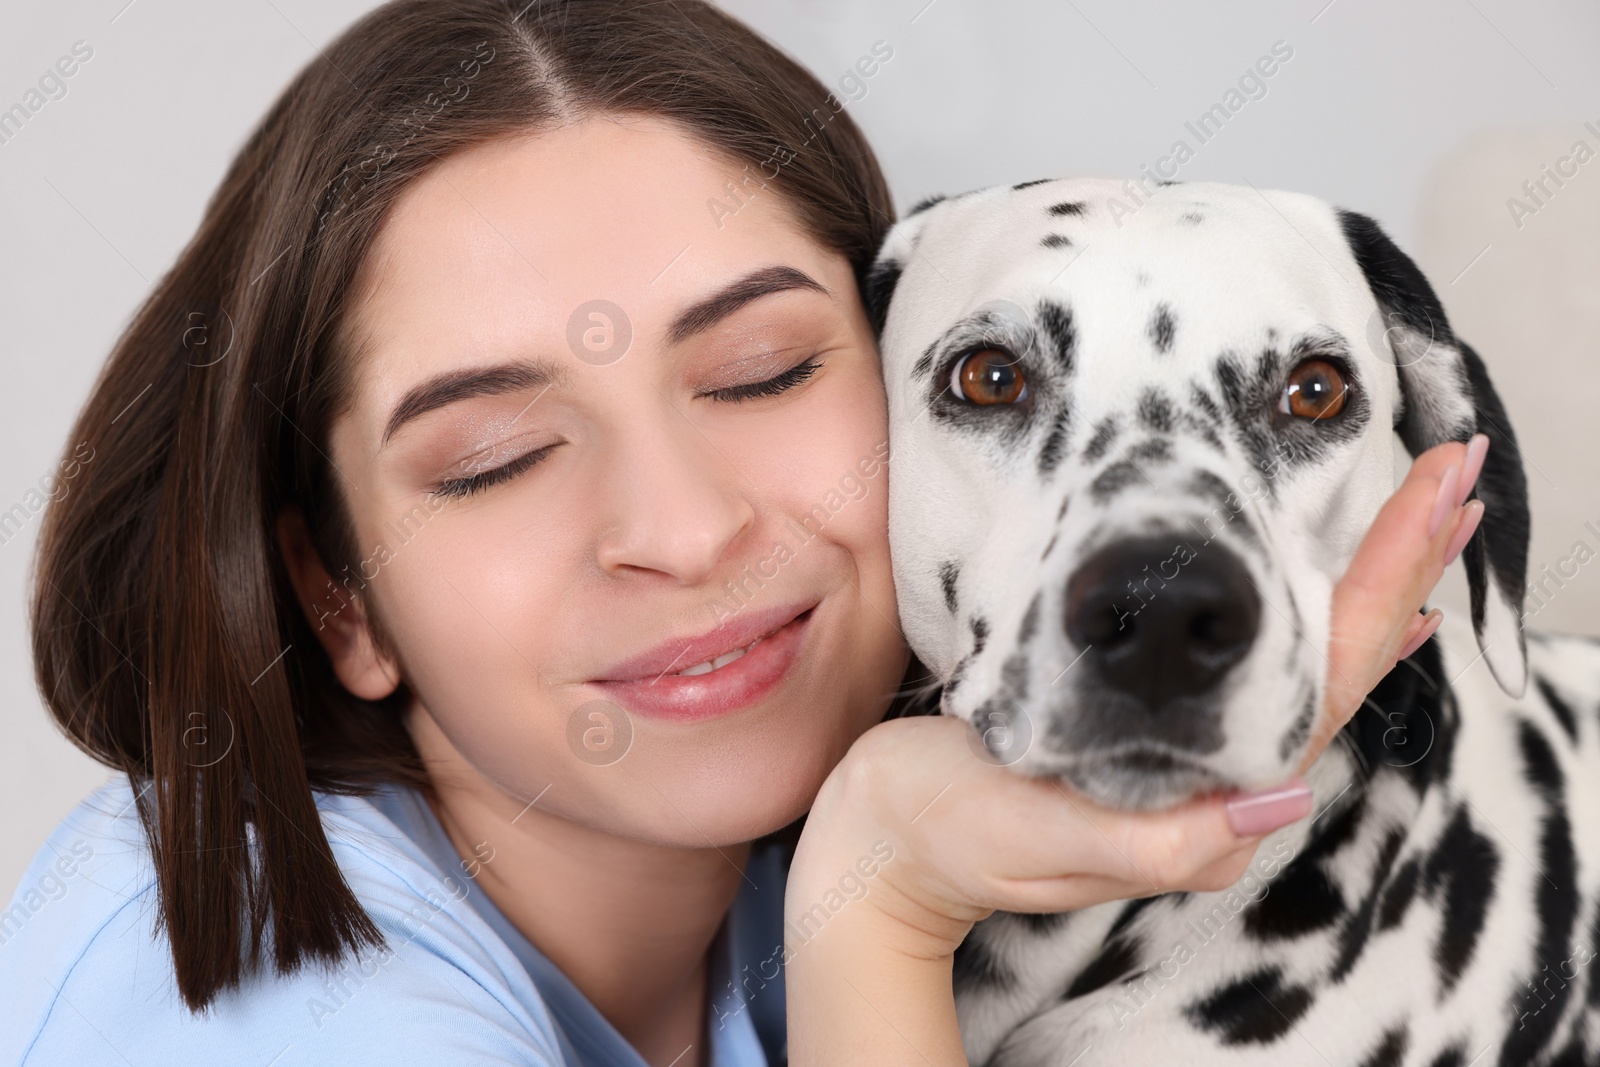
<point>971,837</point>
<point>1420,630</point>
<point>1187,846</point>
<point>1399,561</point>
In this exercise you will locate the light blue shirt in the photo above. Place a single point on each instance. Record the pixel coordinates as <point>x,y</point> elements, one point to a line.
<point>85,978</point>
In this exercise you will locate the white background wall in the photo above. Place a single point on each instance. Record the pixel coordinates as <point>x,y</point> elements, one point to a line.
<point>1427,114</point>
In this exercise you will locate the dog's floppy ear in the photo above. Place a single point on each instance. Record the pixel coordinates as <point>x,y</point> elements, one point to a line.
<point>877,289</point>
<point>1445,395</point>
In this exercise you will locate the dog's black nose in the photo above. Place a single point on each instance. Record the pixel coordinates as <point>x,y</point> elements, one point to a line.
<point>1159,620</point>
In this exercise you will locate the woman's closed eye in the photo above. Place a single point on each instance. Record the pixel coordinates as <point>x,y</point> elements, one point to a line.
<point>769,387</point>
<point>457,488</point>
<point>465,487</point>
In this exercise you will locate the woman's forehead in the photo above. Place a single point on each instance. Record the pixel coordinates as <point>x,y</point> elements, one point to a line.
<point>493,252</point>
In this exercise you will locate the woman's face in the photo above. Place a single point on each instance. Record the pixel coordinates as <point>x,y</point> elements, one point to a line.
<point>583,322</point>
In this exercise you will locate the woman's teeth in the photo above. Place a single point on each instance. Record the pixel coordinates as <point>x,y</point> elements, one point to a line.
<point>721,661</point>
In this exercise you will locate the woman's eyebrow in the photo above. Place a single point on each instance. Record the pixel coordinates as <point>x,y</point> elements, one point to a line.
<point>719,305</point>
<point>501,378</point>
<point>451,386</point>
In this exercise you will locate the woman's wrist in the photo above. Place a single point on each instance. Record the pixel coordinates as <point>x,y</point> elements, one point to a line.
<point>867,964</point>
<point>866,986</point>
<point>856,879</point>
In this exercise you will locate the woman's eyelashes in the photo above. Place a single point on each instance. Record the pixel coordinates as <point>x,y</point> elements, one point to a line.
<point>771,386</point>
<point>464,487</point>
<point>457,488</point>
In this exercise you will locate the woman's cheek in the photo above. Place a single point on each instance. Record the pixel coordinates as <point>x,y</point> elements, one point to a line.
<point>469,603</point>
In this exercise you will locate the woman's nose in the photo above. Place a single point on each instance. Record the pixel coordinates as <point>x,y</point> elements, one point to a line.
<point>672,502</point>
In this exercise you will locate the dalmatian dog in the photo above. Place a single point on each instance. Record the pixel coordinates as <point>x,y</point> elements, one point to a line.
<point>1135,445</point>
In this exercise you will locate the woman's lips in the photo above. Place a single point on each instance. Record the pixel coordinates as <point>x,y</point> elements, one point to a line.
<point>726,689</point>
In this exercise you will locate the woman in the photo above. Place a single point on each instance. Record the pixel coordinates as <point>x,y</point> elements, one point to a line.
<point>416,597</point>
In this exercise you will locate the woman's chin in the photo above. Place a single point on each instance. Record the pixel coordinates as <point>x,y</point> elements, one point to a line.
<point>721,801</point>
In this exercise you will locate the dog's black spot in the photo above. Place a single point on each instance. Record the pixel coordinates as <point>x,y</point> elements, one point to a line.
<point>980,632</point>
<point>1399,894</point>
<point>1205,402</point>
<point>1030,621</point>
<point>1563,711</point>
<point>1061,512</point>
<point>879,290</point>
<point>1267,363</point>
<point>1057,322</point>
<point>1052,543</point>
<point>1257,1009</point>
<point>1225,509</point>
<point>1113,480</point>
<point>1193,218</point>
<point>1246,402</point>
<point>1030,185</point>
<point>1454,1056</point>
<point>1594,942</point>
<point>1338,831</point>
<point>1042,923</point>
<point>1463,868</point>
<point>977,967</point>
<point>1152,451</point>
<point>1162,326</point>
<point>1104,435</point>
<point>1210,489</point>
<point>1141,279</point>
<point>1390,1050</point>
<point>1556,895</point>
<point>925,203</point>
<point>1014,678</point>
<point>1353,935</point>
<point>1069,207</point>
<point>980,636</point>
<point>1130,912</point>
<point>1540,768</point>
<point>1054,445</point>
<point>949,571</point>
<point>1056,240</point>
<point>1407,724</point>
<point>1156,411</point>
<point>1116,959</point>
<point>924,362</point>
<point>1302,901</point>
<point>1203,430</point>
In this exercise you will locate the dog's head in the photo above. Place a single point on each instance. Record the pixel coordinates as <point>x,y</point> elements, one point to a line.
<point>1134,446</point>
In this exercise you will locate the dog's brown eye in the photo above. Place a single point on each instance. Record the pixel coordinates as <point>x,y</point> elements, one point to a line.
<point>1316,390</point>
<point>988,376</point>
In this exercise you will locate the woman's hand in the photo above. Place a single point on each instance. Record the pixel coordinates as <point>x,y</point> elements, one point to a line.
<point>870,981</point>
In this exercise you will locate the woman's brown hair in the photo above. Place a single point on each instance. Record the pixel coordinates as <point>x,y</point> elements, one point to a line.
<point>167,639</point>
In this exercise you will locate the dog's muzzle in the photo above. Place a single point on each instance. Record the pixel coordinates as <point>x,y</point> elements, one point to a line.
<point>1159,638</point>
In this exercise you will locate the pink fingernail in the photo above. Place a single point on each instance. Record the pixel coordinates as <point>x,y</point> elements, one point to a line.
<point>1444,501</point>
<point>1463,534</point>
<point>1430,623</point>
<point>1477,448</point>
<point>1258,813</point>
